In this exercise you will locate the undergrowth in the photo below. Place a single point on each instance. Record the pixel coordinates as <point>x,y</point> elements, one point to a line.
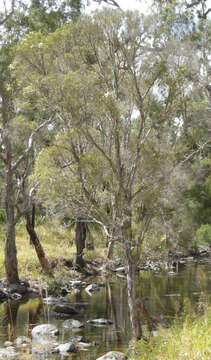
<point>190,340</point>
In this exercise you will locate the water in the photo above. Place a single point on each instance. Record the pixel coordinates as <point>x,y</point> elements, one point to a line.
<point>165,297</point>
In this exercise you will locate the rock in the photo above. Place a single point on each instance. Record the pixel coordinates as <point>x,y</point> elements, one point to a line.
<point>64,291</point>
<point>44,330</point>
<point>8,353</point>
<point>15,296</point>
<point>22,341</point>
<point>55,300</point>
<point>3,296</point>
<point>20,288</point>
<point>82,339</point>
<point>8,343</point>
<point>121,269</point>
<point>113,355</point>
<point>72,324</point>
<point>64,309</point>
<point>77,283</point>
<point>65,348</point>
<point>100,321</point>
<point>92,287</point>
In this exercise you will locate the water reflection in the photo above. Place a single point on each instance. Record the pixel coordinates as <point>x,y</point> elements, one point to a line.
<point>161,299</point>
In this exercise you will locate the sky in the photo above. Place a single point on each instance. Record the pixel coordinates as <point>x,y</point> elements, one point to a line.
<point>141,5</point>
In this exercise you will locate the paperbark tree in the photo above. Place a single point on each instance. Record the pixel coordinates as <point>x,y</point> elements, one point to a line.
<point>115,89</point>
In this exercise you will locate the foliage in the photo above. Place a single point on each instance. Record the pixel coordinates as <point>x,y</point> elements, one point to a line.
<point>203,234</point>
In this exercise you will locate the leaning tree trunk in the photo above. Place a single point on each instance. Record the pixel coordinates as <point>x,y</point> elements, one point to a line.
<point>80,238</point>
<point>36,242</point>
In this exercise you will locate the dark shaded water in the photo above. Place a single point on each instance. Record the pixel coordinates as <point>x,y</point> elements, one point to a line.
<point>165,297</point>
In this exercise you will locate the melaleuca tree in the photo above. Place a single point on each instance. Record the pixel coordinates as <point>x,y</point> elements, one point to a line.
<point>118,97</point>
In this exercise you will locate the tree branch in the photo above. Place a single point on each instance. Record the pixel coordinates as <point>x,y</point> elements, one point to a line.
<point>7,16</point>
<point>30,142</point>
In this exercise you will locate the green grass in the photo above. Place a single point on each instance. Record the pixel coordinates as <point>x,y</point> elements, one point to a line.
<point>190,341</point>
<point>58,243</point>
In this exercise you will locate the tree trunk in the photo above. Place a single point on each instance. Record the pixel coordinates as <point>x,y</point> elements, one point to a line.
<point>110,250</point>
<point>131,262</point>
<point>132,302</point>
<point>11,263</point>
<point>36,242</point>
<point>80,238</point>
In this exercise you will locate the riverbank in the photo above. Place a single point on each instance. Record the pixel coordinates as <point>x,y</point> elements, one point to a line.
<point>190,340</point>
<point>59,246</point>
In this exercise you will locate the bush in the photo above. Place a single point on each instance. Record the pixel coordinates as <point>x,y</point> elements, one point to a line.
<point>203,235</point>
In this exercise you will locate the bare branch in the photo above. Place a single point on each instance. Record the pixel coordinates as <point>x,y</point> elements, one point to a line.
<point>109,2</point>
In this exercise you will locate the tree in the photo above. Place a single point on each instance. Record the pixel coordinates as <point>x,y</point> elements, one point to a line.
<point>117,94</point>
<point>17,142</point>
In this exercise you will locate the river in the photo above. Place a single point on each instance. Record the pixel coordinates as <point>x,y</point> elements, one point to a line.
<point>166,296</point>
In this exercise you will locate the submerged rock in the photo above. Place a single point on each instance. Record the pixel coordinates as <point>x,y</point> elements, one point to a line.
<point>64,309</point>
<point>113,355</point>
<point>72,324</point>
<point>44,330</point>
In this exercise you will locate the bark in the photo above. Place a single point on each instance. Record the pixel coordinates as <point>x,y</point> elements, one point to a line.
<point>80,238</point>
<point>110,250</point>
<point>11,263</point>
<point>36,242</point>
<point>131,272</point>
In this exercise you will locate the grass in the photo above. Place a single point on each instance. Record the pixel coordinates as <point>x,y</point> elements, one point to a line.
<point>58,243</point>
<point>189,341</point>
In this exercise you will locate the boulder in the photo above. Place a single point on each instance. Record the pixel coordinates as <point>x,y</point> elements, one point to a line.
<point>65,309</point>
<point>72,324</point>
<point>65,348</point>
<point>44,330</point>
<point>113,355</point>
